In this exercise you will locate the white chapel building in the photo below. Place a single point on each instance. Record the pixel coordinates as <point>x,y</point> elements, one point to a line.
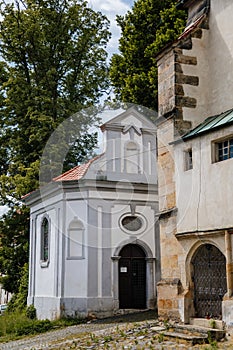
<point>94,240</point>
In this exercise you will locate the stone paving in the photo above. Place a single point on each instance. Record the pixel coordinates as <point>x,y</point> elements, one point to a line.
<point>117,333</point>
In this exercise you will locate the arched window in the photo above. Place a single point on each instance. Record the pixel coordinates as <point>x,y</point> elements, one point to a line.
<point>75,240</point>
<point>131,157</point>
<point>45,240</point>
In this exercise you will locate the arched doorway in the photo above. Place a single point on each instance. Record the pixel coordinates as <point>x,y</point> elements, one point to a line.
<point>209,278</point>
<point>132,277</point>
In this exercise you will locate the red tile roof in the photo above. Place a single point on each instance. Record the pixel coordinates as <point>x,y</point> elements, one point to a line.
<point>77,172</point>
<point>73,174</point>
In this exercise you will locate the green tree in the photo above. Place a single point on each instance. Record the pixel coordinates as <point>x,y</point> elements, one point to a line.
<point>19,300</point>
<point>145,29</point>
<point>14,230</point>
<point>54,60</point>
<point>52,64</point>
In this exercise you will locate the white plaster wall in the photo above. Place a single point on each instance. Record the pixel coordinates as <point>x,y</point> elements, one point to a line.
<point>201,70</point>
<point>115,144</point>
<point>119,236</point>
<point>44,280</point>
<point>220,56</point>
<point>131,119</point>
<point>204,194</point>
<point>75,278</point>
<point>99,164</point>
<point>46,202</point>
<point>138,140</point>
<point>121,194</point>
<point>187,186</point>
<point>214,52</point>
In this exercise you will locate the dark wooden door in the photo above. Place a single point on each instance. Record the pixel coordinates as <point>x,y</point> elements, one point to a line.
<point>209,276</point>
<point>132,278</point>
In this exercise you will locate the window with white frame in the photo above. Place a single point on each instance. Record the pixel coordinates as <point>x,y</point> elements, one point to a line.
<point>188,159</point>
<point>224,149</point>
<point>45,228</point>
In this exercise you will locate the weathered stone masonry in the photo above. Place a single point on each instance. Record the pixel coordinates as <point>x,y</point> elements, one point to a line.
<point>173,61</point>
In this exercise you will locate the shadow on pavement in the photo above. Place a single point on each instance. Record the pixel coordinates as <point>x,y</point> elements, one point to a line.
<point>132,317</point>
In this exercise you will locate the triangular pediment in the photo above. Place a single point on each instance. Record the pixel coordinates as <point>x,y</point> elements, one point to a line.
<point>130,118</point>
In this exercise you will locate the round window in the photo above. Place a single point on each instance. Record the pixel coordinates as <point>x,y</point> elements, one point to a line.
<point>132,223</point>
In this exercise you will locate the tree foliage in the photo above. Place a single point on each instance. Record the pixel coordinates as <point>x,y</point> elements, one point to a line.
<point>19,299</point>
<point>14,230</point>
<point>144,31</point>
<point>52,64</point>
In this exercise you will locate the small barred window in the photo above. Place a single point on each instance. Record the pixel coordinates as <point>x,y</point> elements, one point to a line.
<point>188,159</point>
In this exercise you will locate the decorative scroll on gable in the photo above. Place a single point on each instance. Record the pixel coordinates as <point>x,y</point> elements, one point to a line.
<point>131,129</point>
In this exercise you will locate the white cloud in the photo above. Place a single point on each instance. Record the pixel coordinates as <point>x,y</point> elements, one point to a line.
<point>117,6</point>
<point>111,8</point>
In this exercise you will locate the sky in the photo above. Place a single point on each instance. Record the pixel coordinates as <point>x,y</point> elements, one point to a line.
<point>111,8</point>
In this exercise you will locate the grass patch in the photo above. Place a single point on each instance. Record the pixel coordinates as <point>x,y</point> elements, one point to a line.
<point>16,325</point>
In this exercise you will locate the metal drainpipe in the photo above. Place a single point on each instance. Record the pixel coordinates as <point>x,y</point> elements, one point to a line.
<point>228,262</point>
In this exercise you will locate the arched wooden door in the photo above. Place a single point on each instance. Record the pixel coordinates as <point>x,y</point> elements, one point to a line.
<point>132,278</point>
<point>209,277</point>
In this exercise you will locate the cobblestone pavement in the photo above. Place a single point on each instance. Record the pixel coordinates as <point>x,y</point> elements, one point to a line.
<point>132,333</point>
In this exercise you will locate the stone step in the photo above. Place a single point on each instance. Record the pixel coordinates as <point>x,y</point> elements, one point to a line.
<point>192,339</point>
<point>190,333</point>
<point>208,323</point>
<point>213,333</point>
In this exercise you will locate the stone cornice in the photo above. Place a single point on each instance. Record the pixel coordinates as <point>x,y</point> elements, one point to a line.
<point>165,214</point>
<point>112,127</point>
<point>203,233</point>
<point>52,189</point>
<point>122,128</point>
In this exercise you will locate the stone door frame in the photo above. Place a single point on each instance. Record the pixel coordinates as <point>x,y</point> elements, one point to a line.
<point>150,273</point>
<point>188,302</point>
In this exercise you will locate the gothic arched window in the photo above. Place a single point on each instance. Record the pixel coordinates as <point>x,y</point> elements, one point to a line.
<point>45,240</point>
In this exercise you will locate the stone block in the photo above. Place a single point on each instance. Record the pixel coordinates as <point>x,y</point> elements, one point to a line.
<point>184,59</point>
<point>197,33</point>
<point>179,89</point>
<point>227,311</point>
<point>187,79</point>
<point>171,200</point>
<point>186,101</point>
<point>178,68</point>
<point>175,304</point>
<point>185,43</point>
<point>168,296</point>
